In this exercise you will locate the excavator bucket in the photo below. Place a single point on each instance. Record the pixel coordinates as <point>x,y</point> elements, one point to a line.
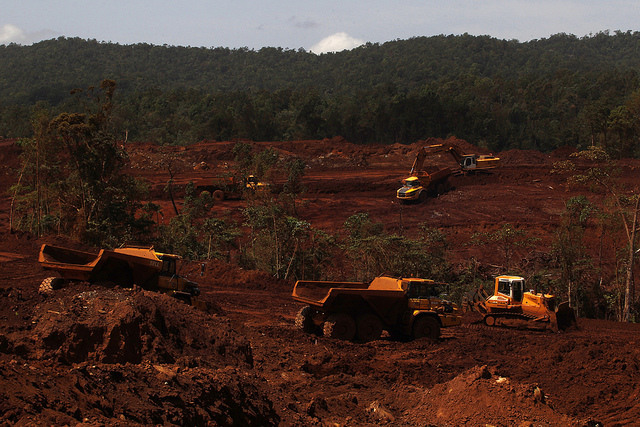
<point>565,317</point>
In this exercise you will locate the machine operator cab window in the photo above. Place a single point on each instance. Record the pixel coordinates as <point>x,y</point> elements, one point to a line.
<point>412,183</point>
<point>511,287</point>
<point>469,162</point>
<point>422,290</point>
<point>168,266</point>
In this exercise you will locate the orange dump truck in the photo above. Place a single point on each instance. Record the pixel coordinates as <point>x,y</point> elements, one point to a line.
<point>408,307</point>
<point>127,266</point>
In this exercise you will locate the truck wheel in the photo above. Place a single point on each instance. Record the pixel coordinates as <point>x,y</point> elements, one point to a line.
<point>218,195</point>
<point>340,326</point>
<point>422,197</point>
<point>304,320</point>
<point>369,327</point>
<point>426,327</point>
<point>50,284</point>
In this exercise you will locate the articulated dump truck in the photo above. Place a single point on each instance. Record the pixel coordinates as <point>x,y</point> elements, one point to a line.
<point>358,311</point>
<point>127,266</point>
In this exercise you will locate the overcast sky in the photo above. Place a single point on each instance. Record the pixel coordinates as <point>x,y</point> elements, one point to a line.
<point>318,26</point>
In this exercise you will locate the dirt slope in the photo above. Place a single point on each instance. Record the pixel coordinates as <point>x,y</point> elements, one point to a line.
<point>111,356</point>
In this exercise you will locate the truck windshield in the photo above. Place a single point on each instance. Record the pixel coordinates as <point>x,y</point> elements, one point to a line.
<point>422,290</point>
<point>412,183</point>
<point>168,266</point>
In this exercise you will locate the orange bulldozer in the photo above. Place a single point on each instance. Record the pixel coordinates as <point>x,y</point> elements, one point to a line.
<point>512,306</point>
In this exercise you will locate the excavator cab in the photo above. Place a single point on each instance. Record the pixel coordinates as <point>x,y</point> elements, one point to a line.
<point>468,162</point>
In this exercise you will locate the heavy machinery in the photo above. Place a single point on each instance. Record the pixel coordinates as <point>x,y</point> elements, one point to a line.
<point>405,307</point>
<point>466,162</point>
<point>512,306</point>
<point>473,162</point>
<point>230,187</point>
<point>423,184</point>
<point>127,266</point>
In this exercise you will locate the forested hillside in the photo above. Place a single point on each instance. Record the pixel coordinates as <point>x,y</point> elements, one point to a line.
<point>541,94</point>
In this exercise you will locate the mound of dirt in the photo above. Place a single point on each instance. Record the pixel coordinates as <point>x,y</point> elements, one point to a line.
<point>129,354</point>
<point>481,396</point>
<point>142,394</point>
<point>115,325</point>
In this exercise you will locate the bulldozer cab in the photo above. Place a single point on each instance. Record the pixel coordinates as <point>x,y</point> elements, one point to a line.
<point>511,287</point>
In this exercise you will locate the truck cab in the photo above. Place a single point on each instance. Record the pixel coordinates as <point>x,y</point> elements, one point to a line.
<point>170,282</point>
<point>425,295</point>
<point>411,189</point>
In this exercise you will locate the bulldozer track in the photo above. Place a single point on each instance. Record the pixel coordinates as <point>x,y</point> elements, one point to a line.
<point>480,326</point>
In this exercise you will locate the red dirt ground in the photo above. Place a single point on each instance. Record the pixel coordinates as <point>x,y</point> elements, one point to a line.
<point>111,356</point>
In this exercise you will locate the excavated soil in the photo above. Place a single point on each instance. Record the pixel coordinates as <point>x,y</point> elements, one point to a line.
<point>112,356</point>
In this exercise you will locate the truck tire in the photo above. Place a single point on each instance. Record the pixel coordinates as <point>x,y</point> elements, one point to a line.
<point>304,320</point>
<point>426,327</point>
<point>340,326</point>
<point>49,285</point>
<point>218,195</point>
<point>369,327</point>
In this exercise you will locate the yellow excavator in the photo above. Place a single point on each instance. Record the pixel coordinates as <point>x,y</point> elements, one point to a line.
<point>422,182</point>
<point>512,306</point>
<point>467,162</point>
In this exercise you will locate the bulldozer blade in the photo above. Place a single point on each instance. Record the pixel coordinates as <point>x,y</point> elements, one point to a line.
<point>474,301</point>
<point>565,317</point>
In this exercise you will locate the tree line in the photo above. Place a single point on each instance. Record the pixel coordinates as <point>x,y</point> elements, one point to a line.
<point>499,94</point>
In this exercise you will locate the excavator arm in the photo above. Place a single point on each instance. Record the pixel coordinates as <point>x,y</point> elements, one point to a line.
<point>422,154</point>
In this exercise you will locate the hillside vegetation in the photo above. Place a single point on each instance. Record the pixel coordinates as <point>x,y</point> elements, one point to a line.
<point>500,94</point>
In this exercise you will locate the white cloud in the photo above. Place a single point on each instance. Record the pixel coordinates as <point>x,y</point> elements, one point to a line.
<point>336,43</point>
<point>11,34</point>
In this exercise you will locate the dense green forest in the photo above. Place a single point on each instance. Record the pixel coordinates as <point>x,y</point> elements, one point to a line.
<point>500,94</point>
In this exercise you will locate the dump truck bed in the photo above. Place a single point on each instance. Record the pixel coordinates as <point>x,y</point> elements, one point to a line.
<point>122,266</point>
<point>433,175</point>
<point>319,294</point>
